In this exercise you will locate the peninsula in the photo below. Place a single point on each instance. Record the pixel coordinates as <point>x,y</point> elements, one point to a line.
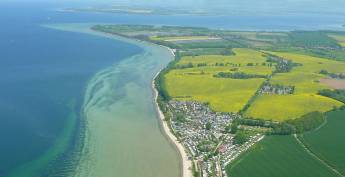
<point>230,99</point>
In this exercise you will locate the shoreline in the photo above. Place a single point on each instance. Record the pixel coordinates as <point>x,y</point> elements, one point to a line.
<point>186,163</point>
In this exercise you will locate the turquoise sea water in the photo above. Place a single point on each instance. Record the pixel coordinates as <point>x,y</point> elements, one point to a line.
<point>48,75</point>
<point>43,75</point>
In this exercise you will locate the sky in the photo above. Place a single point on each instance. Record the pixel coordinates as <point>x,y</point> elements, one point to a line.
<point>273,6</point>
<point>257,4</point>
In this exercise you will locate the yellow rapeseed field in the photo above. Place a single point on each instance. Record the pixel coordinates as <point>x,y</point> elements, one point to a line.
<point>223,94</point>
<point>305,78</point>
<point>230,95</point>
<point>283,107</point>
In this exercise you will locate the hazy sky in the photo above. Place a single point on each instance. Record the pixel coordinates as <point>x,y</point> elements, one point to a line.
<point>327,6</point>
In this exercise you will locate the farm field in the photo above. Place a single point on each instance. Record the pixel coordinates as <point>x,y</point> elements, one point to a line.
<point>184,38</point>
<point>285,107</point>
<point>193,79</point>
<point>206,52</point>
<point>334,83</point>
<point>312,64</point>
<point>275,76</point>
<point>279,156</point>
<point>306,80</point>
<point>339,38</point>
<point>328,141</point>
<point>222,94</point>
<point>242,56</point>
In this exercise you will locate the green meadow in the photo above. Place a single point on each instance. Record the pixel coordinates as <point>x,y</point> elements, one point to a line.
<point>339,38</point>
<point>328,142</point>
<point>278,156</point>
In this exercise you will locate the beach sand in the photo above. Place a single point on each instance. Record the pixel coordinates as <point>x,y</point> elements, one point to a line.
<point>186,163</point>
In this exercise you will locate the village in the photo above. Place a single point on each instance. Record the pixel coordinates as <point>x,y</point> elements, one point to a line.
<point>269,88</point>
<point>206,137</point>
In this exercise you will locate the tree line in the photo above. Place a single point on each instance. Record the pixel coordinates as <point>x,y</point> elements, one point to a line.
<point>238,75</point>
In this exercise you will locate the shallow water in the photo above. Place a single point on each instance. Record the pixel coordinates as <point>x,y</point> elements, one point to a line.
<point>43,75</point>
<point>48,75</point>
<point>123,133</point>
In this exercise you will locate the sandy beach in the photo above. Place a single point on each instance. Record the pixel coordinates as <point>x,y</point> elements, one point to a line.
<point>186,163</point>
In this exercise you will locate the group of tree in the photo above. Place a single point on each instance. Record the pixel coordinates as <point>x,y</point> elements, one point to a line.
<point>201,64</point>
<point>184,66</point>
<point>180,117</point>
<point>211,44</point>
<point>166,43</point>
<point>238,75</point>
<point>303,124</point>
<point>336,94</point>
<point>311,39</point>
<point>256,64</point>
<point>219,64</point>
<point>255,122</point>
<point>241,137</point>
<point>160,86</point>
<point>337,75</point>
<point>233,127</point>
<point>163,95</point>
<point>207,51</point>
<point>282,65</point>
<point>208,126</point>
<point>307,122</point>
<point>333,75</point>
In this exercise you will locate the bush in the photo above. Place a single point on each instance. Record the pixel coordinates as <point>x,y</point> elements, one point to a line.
<point>241,137</point>
<point>335,94</point>
<point>283,129</point>
<point>307,122</point>
<point>238,75</point>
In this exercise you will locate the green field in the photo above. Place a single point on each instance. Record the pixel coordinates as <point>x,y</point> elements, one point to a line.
<point>278,156</point>
<point>183,38</point>
<point>328,142</point>
<point>339,38</point>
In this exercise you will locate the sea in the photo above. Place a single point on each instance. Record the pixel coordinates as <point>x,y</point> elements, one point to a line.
<point>78,103</point>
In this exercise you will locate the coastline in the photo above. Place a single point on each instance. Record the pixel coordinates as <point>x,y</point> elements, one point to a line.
<point>131,88</point>
<point>186,166</point>
<point>186,163</point>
